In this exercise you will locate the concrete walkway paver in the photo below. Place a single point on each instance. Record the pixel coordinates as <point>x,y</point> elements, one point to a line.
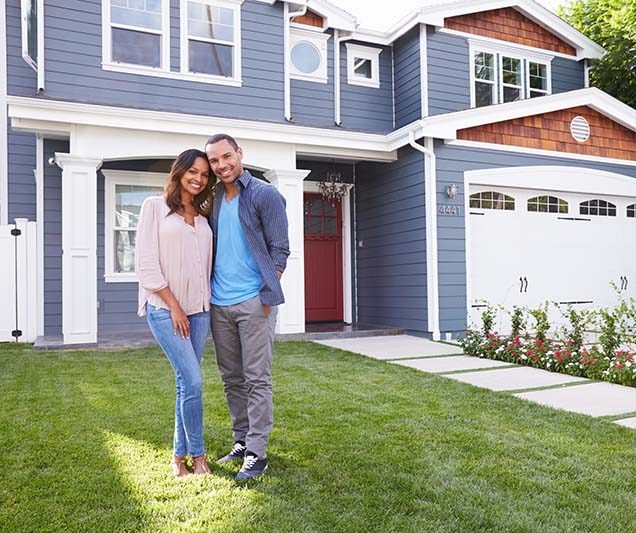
<point>521,377</point>
<point>584,396</point>
<point>393,347</point>
<point>594,398</point>
<point>440,365</point>
<point>627,422</point>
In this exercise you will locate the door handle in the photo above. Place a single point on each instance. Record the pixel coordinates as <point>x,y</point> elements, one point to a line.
<point>526,281</point>
<point>622,282</point>
<point>521,285</point>
<point>626,282</point>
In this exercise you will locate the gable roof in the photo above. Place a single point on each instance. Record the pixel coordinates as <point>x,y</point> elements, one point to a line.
<point>436,15</point>
<point>447,125</point>
<point>333,15</point>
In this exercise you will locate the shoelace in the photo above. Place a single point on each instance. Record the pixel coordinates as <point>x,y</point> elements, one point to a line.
<point>249,462</point>
<point>238,448</point>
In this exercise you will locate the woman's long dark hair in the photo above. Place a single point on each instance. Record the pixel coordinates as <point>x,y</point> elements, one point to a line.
<point>172,191</point>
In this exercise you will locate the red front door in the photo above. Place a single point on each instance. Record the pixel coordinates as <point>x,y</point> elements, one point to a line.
<point>323,260</point>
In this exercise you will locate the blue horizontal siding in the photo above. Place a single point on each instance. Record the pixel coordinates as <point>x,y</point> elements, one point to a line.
<point>390,225</point>
<point>408,89</point>
<point>74,56</point>
<point>448,73</point>
<point>452,162</point>
<point>21,163</point>
<point>367,108</point>
<point>53,239</point>
<point>21,78</point>
<point>567,75</point>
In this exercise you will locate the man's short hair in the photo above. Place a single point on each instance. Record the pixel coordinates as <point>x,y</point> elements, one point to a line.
<point>223,137</point>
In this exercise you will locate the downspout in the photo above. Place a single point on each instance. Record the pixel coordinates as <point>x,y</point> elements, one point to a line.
<point>586,71</point>
<point>336,69</point>
<point>40,52</point>
<point>432,274</point>
<point>287,55</point>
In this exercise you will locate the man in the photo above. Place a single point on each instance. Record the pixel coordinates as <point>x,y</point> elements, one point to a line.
<point>251,246</point>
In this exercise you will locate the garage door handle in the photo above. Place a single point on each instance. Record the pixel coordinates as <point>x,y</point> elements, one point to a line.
<point>622,282</point>
<point>521,286</point>
<point>626,282</point>
<point>526,280</point>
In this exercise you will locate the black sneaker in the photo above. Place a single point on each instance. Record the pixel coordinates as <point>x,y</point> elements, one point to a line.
<point>252,467</point>
<point>238,452</point>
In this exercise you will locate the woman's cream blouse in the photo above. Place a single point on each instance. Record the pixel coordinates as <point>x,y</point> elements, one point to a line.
<point>171,253</point>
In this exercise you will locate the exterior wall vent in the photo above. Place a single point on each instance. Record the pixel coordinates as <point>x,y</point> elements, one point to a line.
<point>580,129</point>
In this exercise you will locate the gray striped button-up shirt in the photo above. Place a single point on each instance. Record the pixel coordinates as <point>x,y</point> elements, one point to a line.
<point>264,221</point>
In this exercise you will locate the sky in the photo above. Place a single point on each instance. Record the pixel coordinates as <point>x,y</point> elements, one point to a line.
<point>381,14</point>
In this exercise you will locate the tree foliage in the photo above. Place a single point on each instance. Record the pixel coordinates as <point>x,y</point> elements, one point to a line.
<point>612,24</point>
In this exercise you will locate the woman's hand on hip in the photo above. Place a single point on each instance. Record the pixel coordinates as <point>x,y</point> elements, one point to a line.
<point>180,322</point>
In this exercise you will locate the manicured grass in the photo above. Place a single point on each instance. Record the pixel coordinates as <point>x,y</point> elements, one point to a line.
<point>359,445</point>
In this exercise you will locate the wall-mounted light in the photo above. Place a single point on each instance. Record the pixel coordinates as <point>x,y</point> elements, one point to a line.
<point>451,190</point>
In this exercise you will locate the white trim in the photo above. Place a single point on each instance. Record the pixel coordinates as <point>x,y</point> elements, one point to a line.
<point>424,70</point>
<point>356,51</point>
<point>164,63</point>
<point>392,85</point>
<point>432,268</point>
<point>112,178</point>
<point>336,77</point>
<point>347,289</point>
<point>556,178</point>
<point>4,156</point>
<point>40,30</point>
<point>318,41</point>
<point>446,126</point>
<point>536,151</point>
<point>79,248</point>
<point>586,72</point>
<point>39,186</point>
<point>235,79</point>
<point>149,71</point>
<point>25,34</point>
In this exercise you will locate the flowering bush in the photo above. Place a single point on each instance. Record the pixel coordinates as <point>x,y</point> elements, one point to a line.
<point>567,355</point>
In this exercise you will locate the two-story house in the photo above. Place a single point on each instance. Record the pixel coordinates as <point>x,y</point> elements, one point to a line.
<point>477,163</point>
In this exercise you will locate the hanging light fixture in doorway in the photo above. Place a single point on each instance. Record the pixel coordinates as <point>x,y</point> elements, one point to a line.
<point>331,186</point>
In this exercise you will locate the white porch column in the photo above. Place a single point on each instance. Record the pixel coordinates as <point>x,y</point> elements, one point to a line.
<point>79,248</point>
<point>291,315</point>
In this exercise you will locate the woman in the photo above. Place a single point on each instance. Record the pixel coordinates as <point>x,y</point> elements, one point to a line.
<point>173,263</point>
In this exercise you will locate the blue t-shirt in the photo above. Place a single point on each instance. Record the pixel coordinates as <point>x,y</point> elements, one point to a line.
<point>236,275</point>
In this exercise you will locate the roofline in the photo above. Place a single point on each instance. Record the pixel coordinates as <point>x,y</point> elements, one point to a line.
<point>435,15</point>
<point>447,125</point>
<point>57,117</point>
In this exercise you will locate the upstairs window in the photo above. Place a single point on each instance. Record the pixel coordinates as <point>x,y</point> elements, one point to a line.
<point>211,38</point>
<point>499,76</point>
<point>492,200</point>
<point>363,65</point>
<point>308,55</point>
<point>599,208</point>
<point>29,18</point>
<point>137,32</point>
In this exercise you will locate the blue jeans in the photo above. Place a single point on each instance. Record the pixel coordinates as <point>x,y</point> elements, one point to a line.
<point>185,357</point>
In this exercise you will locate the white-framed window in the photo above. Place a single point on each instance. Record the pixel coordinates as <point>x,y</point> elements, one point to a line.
<point>308,55</point>
<point>211,39</point>
<point>491,200</point>
<point>631,211</point>
<point>511,76</point>
<point>506,74</point>
<point>124,192</point>
<point>363,65</point>
<point>136,34</point>
<point>29,23</point>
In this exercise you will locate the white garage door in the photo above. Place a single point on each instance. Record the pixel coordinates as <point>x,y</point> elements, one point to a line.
<point>529,246</point>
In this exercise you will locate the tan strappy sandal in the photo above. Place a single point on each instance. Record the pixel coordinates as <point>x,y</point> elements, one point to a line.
<point>200,465</point>
<point>179,466</point>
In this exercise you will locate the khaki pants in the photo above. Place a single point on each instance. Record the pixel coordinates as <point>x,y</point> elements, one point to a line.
<point>244,344</point>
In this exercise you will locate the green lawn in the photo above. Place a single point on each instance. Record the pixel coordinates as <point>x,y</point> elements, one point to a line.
<point>358,445</point>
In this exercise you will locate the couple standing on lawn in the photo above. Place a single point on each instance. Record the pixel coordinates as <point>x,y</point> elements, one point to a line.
<point>222,271</point>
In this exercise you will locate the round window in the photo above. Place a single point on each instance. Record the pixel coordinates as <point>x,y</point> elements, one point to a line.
<point>305,57</point>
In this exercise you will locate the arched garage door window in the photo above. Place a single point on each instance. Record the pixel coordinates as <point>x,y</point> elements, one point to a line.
<point>599,208</point>
<point>492,200</point>
<point>547,204</point>
<point>631,211</point>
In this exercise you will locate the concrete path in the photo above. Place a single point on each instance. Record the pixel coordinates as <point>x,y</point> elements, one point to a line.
<point>578,395</point>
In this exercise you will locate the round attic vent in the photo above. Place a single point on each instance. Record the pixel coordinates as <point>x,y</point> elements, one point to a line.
<point>580,129</point>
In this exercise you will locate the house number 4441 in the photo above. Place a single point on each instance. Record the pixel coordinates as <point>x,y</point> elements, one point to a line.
<point>450,210</point>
